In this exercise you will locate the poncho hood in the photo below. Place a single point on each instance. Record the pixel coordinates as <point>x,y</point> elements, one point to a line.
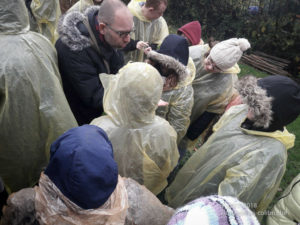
<point>13,17</point>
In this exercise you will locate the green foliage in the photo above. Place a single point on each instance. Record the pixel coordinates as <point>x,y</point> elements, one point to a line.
<point>274,29</point>
<point>248,70</point>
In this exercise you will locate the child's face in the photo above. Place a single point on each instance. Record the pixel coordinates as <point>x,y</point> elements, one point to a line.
<point>210,66</point>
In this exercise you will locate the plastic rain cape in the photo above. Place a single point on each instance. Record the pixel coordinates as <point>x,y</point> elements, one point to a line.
<point>46,14</point>
<point>144,144</point>
<point>235,163</point>
<point>286,210</point>
<point>81,5</point>
<point>181,101</point>
<point>212,91</point>
<point>52,207</point>
<point>33,108</point>
<point>153,32</point>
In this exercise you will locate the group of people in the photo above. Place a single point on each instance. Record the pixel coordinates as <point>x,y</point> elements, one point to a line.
<point>98,112</point>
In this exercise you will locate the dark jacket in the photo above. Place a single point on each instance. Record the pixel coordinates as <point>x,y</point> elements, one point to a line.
<point>80,64</point>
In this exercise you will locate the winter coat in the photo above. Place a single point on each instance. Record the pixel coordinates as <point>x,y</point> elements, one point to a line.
<point>44,15</point>
<point>144,144</point>
<point>234,161</point>
<point>80,64</point>
<point>152,32</point>
<point>143,207</point>
<point>33,109</point>
<point>286,210</point>
<point>212,91</point>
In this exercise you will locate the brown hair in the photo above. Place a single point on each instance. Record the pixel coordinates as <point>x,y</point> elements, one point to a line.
<point>155,3</point>
<point>211,43</point>
<point>170,74</point>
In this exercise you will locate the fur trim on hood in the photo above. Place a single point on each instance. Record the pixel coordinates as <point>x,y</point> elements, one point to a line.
<point>69,32</point>
<point>170,63</point>
<point>260,105</point>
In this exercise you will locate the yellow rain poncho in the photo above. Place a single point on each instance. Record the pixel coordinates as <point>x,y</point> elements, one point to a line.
<point>237,162</point>
<point>153,32</point>
<point>33,109</point>
<point>81,5</point>
<point>180,100</point>
<point>212,91</point>
<point>144,144</point>
<point>46,14</point>
<point>286,211</point>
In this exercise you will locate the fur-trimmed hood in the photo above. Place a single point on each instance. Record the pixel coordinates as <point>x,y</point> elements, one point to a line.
<point>260,105</point>
<point>71,33</point>
<point>170,63</point>
<point>173,54</point>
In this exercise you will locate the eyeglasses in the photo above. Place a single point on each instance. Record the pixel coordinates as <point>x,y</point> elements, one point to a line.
<point>122,34</point>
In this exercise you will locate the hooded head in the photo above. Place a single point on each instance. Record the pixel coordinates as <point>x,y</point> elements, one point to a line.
<point>13,17</point>
<point>274,101</point>
<point>192,31</point>
<point>173,54</point>
<point>131,96</point>
<point>227,53</point>
<point>82,166</point>
<point>176,47</point>
<point>214,210</point>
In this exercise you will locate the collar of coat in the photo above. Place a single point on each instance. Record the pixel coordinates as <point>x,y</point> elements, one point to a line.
<point>69,31</point>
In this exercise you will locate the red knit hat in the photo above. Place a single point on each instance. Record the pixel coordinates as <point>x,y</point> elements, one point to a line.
<point>192,31</point>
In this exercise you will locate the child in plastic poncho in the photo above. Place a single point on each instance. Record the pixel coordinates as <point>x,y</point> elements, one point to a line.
<point>246,155</point>
<point>144,143</point>
<point>177,70</point>
<point>81,186</point>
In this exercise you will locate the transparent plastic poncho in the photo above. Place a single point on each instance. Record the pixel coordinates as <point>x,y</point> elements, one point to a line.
<point>181,101</point>
<point>286,210</point>
<point>48,204</point>
<point>53,207</point>
<point>144,144</point>
<point>212,91</point>
<point>33,110</point>
<point>245,164</point>
<point>153,32</point>
<point>46,14</point>
<point>81,5</point>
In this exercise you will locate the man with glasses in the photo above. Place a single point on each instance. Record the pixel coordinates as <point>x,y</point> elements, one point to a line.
<point>89,44</point>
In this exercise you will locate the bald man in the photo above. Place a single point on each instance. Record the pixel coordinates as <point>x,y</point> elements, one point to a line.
<point>88,45</point>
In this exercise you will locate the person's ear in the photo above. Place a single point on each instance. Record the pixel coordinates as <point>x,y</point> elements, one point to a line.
<point>101,28</point>
<point>150,9</point>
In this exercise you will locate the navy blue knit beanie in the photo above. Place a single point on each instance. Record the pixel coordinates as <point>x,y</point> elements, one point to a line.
<point>286,99</point>
<point>82,166</point>
<point>175,46</point>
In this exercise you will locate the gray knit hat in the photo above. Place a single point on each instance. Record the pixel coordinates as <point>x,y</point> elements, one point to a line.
<point>226,53</point>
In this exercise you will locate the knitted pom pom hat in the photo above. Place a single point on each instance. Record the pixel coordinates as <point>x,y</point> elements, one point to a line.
<point>214,210</point>
<point>227,53</point>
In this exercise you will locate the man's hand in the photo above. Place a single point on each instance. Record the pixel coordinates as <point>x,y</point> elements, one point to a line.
<point>142,45</point>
